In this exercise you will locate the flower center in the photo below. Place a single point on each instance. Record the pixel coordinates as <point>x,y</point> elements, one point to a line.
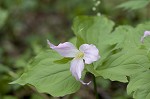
<point>80,55</point>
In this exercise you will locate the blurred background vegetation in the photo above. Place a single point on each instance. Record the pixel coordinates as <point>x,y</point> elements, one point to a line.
<point>25,25</point>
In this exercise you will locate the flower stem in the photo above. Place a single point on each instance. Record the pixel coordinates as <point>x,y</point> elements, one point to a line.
<point>95,87</point>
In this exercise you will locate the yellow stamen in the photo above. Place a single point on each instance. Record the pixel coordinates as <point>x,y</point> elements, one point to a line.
<point>80,55</point>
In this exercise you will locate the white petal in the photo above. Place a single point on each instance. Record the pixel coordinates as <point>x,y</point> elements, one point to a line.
<point>77,66</point>
<point>66,49</point>
<point>91,53</point>
<point>146,33</point>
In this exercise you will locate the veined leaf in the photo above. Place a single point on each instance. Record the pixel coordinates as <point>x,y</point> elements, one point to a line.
<point>139,85</point>
<point>123,64</point>
<point>48,76</point>
<point>126,38</point>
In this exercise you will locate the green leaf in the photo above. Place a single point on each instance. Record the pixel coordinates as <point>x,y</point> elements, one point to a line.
<point>139,85</point>
<point>134,4</point>
<point>92,29</point>
<point>126,37</point>
<point>49,76</point>
<point>123,64</point>
<point>3,17</point>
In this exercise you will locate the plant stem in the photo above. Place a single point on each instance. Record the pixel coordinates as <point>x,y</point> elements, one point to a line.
<point>95,87</point>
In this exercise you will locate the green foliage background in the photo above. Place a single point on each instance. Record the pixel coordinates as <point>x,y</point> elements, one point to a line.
<point>26,24</point>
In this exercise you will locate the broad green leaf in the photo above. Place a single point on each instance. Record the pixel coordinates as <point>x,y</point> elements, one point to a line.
<point>139,85</point>
<point>49,76</point>
<point>123,64</point>
<point>126,37</point>
<point>3,17</point>
<point>134,4</point>
<point>92,29</point>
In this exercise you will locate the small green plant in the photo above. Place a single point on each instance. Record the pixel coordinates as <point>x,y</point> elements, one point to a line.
<point>124,58</point>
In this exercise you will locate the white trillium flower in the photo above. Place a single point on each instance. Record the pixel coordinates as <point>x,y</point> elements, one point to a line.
<point>146,33</point>
<point>87,54</point>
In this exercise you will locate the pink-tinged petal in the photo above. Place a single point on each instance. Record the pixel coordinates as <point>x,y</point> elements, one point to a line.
<point>91,53</point>
<point>146,33</point>
<point>77,66</point>
<point>66,49</point>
